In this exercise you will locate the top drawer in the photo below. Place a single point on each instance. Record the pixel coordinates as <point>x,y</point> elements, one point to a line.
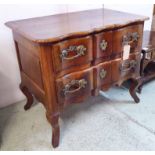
<point>103,44</point>
<point>131,35</point>
<point>73,52</point>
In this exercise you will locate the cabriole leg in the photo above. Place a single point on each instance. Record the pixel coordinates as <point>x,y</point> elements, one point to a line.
<point>28,96</point>
<point>54,121</point>
<point>135,83</point>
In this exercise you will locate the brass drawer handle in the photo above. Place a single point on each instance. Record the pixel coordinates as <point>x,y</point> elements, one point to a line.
<point>128,65</point>
<point>103,73</point>
<point>103,45</point>
<point>79,51</point>
<point>70,87</point>
<point>130,38</point>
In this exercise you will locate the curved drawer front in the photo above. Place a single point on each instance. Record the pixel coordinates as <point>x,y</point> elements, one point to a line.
<point>103,44</point>
<point>73,52</point>
<point>131,35</point>
<point>102,74</point>
<point>75,87</point>
<point>125,69</point>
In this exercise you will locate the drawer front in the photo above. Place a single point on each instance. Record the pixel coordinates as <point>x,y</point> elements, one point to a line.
<point>73,52</point>
<point>103,74</point>
<point>131,35</point>
<point>103,44</point>
<point>125,69</point>
<point>75,87</point>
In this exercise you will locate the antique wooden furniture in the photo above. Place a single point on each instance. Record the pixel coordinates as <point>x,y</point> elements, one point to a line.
<point>67,58</point>
<point>147,69</point>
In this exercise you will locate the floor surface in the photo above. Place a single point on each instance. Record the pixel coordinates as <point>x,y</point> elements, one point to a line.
<point>110,121</point>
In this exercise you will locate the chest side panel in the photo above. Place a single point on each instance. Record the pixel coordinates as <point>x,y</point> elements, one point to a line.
<point>30,67</point>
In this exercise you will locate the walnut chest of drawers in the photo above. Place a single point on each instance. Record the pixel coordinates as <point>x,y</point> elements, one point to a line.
<point>66,58</point>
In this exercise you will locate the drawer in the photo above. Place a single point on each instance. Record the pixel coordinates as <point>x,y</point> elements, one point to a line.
<point>131,35</point>
<point>75,87</point>
<point>125,69</point>
<point>103,44</point>
<point>73,52</point>
<point>102,74</point>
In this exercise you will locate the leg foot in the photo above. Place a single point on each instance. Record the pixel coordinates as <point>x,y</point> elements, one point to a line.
<point>135,83</point>
<point>28,96</point>
<point>54,121</point>
<point>139,89</point>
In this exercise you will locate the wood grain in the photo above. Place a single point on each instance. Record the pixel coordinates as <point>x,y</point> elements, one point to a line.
<point>58,79</point>
<point>58,27</point>
<point>79,95</point>
<point>119,33</point>
<point>62,64</point>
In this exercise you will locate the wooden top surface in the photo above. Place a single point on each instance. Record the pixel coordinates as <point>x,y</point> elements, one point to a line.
<point>56,27</point>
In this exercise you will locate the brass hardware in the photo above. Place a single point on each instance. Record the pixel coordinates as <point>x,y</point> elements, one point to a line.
<point>133,63</point>
<point>79,51</point>
<point>103,73</point>
<point>130,38</point>
<point>103,45</point>
<point>74,83</point>
<point>128,65</point>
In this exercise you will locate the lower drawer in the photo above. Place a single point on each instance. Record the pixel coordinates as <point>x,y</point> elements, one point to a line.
<point>102,74</point>
<point>75,87</point>
<point>126,69</point>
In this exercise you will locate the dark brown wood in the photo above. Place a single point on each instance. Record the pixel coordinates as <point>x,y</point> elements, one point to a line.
<point>153,9</point>
<point>68,61</point>
<point>66,58</point>
<point>30,64</point>
<point>120,33</point>
<point>135,83</point>
<point>54,121</point>
<point>103,39</point>
<point>58,27</point>
<point>28,96</point>
<point>76,94</point>
<point>102,74</point>
<point>127,72</point>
